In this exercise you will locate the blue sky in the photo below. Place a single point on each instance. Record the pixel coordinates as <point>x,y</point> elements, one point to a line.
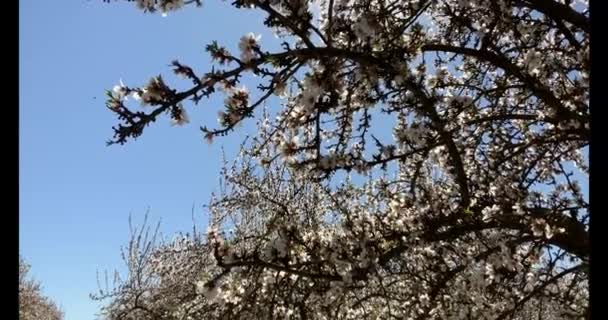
<point>76,194</point>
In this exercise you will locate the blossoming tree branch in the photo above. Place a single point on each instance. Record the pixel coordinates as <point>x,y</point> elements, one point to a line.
<point>473,209</point>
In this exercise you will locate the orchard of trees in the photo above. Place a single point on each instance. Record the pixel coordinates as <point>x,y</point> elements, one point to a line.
<point>414,159</point>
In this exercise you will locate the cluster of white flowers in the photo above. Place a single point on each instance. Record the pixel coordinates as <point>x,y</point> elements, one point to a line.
<point>490,212</point>
<point>288,147</point>
<point>119,92</point>
<point>153,92</point>
<point>163,5</point>
<point>247,46</point>
<point>541,228</point>
<point>305,103</point>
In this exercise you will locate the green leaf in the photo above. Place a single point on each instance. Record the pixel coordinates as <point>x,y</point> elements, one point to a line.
<point>468,211</point>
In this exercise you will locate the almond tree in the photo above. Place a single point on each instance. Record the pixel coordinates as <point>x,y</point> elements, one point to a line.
<point>471,210</point>
<point>282,246</point>
<point>32,304</point>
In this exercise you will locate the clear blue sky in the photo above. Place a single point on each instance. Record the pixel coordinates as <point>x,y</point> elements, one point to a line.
<point>75,193</point>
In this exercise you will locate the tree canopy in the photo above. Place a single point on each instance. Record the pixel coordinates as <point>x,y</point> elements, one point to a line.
<point>471,209</point>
